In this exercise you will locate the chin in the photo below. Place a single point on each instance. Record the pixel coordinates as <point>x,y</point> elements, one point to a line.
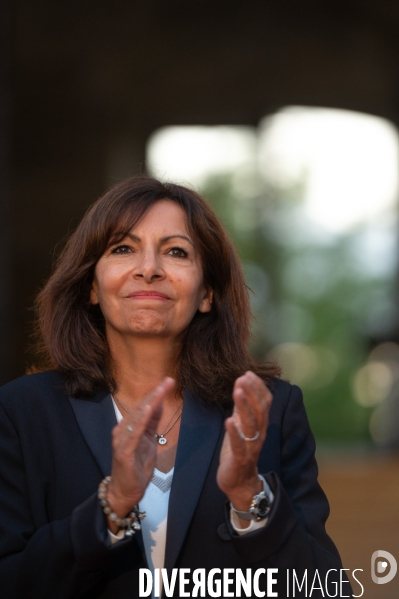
<point>148,324</point>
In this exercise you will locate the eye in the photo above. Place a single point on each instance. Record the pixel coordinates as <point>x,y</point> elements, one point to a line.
<point>121,249</point>
<point>178,252</point>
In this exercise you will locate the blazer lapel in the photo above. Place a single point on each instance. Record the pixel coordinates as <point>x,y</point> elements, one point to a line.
<point>96,419</point>
<point>199,432</point>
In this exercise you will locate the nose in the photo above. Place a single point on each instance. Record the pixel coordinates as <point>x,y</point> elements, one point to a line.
<point>148,266</point>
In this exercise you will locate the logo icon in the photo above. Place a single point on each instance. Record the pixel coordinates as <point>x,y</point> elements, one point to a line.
<point>382,565</point>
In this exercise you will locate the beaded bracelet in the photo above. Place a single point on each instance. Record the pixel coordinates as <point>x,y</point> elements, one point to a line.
<point>129,524</point>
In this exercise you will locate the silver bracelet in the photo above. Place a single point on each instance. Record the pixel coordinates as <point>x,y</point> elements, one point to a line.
<point>132,521</point>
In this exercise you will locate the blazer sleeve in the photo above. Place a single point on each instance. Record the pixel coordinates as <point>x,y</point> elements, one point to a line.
<point>61,559</point>
<point>295,537</point>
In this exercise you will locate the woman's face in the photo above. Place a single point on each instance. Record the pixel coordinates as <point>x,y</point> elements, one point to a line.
<point>151,283</point>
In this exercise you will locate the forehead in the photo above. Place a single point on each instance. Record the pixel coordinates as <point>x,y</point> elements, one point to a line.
<point>163,218</point>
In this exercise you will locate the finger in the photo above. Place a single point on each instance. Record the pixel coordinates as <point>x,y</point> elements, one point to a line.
<point>237,443</point>
<point>154,400</point>
<point>259,386</point>
<point>144,418</point>
<point>251,390</point>
<point>156,397</point>
<point>130,425</point>
<point>245,453</point>
<point>129,432</point>
<point>244,417</point>
<point>138,430</point>
<point>251,412</point>
<point>154,420</point>
<point>257,396</point>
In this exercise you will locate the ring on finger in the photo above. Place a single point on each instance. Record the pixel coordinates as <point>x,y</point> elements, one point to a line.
<point>254,438</point>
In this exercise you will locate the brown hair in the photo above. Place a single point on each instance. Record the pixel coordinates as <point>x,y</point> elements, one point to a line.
<point>72,331</point>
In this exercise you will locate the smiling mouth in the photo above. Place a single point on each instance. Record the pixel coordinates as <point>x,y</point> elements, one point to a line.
<point>153,295</point>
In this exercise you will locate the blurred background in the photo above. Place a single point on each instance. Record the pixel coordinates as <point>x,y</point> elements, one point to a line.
<point>285,116</point>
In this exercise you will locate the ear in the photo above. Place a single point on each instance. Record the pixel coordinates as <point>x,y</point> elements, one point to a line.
<point>93,295</point>
<point>206,303</point>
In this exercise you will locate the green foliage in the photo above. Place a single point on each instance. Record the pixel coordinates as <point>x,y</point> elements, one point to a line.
<point>313,303</point>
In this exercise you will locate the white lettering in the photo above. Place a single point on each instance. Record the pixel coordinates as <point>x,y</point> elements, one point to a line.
<point>271,582</point>
<point>199,577</point>
<point>341,580</point>
<point>169,587</point>
<point>244,583</point>
<point>145,577</point>
<point>156,582</point>
<point>335,584</point>
<point>257,591</point>
<point>358,581</point>
<point>319,588</point>
<point>304,582</point>
<point>227,581</point>
<point>183,581</point>
<point>216,590</point>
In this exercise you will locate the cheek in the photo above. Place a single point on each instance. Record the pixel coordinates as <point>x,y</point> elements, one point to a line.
<point>194,295</point>
<point>101,293</point>
<point>107,281</point>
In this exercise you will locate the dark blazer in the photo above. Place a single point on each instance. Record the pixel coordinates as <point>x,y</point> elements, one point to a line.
<point>54,450</point>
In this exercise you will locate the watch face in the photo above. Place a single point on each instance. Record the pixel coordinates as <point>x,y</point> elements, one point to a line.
<point>263,506</point>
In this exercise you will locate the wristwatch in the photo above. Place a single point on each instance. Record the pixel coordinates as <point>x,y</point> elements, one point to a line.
<point>260,506</point>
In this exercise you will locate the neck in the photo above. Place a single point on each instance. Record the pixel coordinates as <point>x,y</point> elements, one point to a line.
<point>141,364</point>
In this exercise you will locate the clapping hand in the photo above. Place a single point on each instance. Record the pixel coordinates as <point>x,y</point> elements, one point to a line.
<point>237,475</point>
<point>134,450</point>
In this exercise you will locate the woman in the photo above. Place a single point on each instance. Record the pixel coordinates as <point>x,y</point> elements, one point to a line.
<point>145,322</point>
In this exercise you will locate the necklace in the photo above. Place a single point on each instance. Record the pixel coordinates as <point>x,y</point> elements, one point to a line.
<point>159,437</point>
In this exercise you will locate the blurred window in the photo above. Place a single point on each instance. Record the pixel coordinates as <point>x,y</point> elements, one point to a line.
<point>310,198</point>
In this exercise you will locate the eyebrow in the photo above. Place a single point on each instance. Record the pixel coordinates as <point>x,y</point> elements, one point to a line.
<point>163,239</point>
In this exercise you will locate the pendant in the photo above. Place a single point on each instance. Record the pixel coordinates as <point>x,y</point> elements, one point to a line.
<point>161,439</point>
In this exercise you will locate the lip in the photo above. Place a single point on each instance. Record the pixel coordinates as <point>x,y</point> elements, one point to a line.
<point>152,295</point>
